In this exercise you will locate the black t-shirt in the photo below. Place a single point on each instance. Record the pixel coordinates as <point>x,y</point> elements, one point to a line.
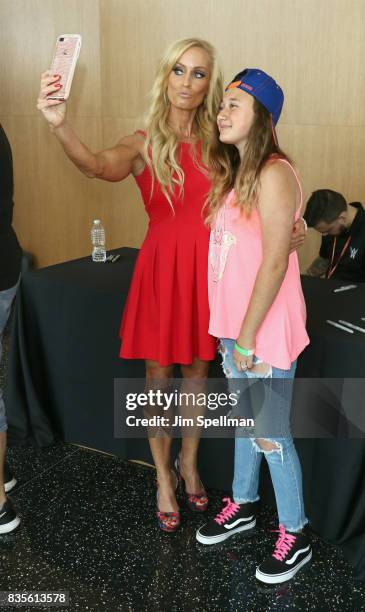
<point>10,251</point>
<point>351,266</point>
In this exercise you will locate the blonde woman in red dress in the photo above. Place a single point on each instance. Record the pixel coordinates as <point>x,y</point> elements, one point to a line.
<point>165,321</point>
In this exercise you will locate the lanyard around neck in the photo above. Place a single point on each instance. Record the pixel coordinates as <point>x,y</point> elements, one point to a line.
<point>331,267</point>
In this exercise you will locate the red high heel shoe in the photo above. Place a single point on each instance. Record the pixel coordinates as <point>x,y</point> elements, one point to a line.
<point>197,502</point>
<point>167,521</point>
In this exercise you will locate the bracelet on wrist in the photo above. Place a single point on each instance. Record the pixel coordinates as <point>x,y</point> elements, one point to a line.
<point>243,351</point>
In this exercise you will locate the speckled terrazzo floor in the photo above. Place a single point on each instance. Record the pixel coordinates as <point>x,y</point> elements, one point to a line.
<point>88,527</point>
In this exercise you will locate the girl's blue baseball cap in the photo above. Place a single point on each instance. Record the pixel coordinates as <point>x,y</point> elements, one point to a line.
<point>262,87</point>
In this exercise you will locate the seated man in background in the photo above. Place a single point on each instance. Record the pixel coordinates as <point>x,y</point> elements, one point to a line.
<point>342,225</point>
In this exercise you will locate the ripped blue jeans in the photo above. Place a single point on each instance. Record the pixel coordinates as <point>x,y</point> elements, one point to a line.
<point>272,416</point>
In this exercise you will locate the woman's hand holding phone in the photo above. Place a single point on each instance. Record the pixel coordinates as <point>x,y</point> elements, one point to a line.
<point>54,111</point>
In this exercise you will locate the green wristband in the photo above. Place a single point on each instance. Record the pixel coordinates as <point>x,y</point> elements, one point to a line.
<point>244,352</point>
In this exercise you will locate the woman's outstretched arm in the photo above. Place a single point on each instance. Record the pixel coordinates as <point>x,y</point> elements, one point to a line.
<point>112,164</point>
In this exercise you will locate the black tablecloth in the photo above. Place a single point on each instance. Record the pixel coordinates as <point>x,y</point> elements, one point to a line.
<point>333,352</point>
<point>64,357</point>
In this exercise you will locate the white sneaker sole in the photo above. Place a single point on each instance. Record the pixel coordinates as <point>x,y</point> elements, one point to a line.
<point>284,576</point>
<point>10,526</point>
<point>223,536</point>
<point>10,485</point>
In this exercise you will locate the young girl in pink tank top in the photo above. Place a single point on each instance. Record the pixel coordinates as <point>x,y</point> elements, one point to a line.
<point>257,310</point>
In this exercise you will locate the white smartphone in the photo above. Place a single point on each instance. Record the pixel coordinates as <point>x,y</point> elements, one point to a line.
<point>64,63</point>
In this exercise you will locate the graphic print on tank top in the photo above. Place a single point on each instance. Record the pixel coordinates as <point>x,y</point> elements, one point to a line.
<point>220,243</point>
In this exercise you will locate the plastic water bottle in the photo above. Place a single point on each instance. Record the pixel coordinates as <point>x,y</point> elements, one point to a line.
<point>98,241</point>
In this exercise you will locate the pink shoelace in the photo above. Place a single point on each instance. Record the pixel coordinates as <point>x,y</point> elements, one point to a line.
<point>228,511</point>
<point>283,544</point>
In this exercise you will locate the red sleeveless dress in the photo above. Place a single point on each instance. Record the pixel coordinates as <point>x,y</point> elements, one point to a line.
<point>166,316</point>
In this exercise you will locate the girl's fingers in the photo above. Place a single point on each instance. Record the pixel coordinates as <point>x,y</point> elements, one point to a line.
<point>249,362</point>
<point>238,364</point>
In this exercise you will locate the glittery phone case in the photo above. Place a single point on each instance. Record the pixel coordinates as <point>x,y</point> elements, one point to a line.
<point>64,62</point>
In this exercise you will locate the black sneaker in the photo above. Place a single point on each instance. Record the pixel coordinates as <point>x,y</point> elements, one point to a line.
<point>232,519</point>
<point>9,519</point>
<point>292,552</point>
<point>9,480</point>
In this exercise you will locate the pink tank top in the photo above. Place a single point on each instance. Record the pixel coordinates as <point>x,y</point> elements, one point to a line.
<point>235,255</point>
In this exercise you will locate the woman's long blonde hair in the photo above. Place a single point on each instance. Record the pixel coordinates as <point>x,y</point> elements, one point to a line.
<point>161,141</point>
<point>229,172</point>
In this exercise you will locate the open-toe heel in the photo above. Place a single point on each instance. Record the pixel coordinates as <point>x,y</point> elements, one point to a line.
<point>167,521</point>
<point>197,502</point>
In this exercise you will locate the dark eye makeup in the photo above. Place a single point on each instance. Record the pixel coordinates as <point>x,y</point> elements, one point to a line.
<point>199,74</point>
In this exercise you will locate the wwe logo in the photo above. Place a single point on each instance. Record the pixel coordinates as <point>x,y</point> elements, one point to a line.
<point>353,253</point>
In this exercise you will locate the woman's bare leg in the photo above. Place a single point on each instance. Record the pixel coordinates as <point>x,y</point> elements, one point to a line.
<point>160,445</point>
<point>198,371</point>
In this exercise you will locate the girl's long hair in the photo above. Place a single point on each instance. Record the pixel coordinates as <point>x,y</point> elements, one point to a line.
<point>229,172</point>
<point>161,142</point>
